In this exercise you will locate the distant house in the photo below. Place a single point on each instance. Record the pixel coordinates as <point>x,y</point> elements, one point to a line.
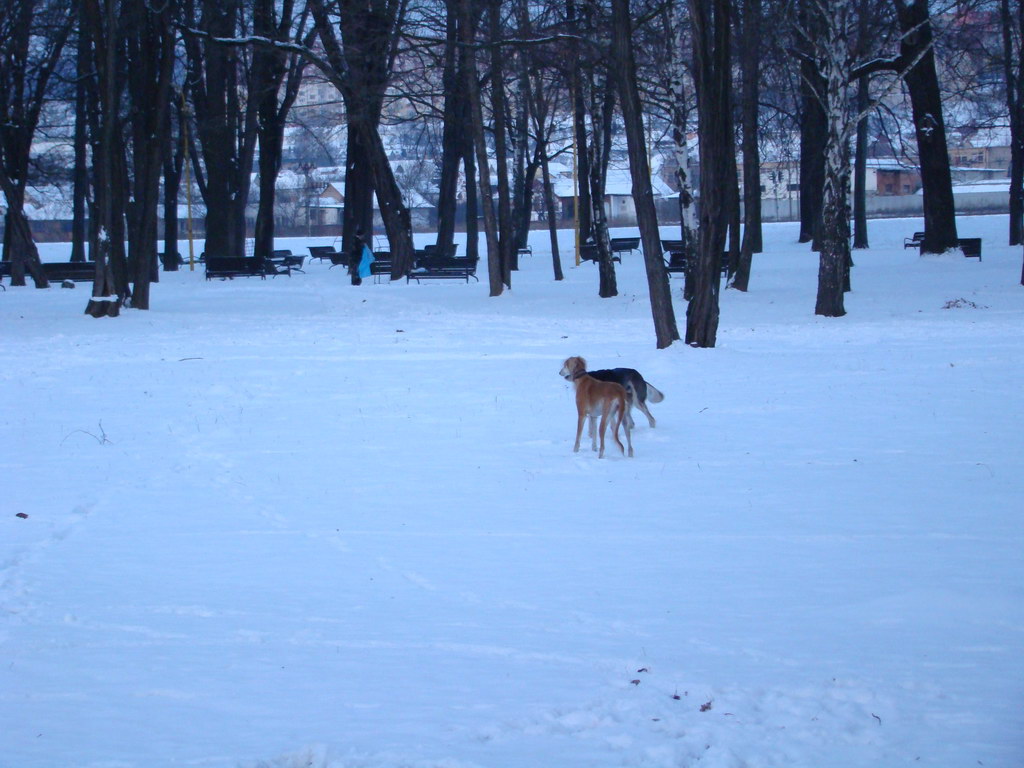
<point>619,206</point>
<point>892,178</point>
<point>328,208</point>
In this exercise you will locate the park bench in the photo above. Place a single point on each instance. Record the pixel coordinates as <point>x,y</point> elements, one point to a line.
<point>59,271</point>
<point>673,246</point>
<point>230,267</point>
<point>526,250</point>
<point>971,246</point>
<point>380,266</point>
<point>620,245</point>
<point>915,241</point>
<point>322,252</point>
<point>76,271</point>
<point>676,264</point>
<point>441,267</point>
<point>432,249</point>
<point>589,252</point>
<point>285,258</point>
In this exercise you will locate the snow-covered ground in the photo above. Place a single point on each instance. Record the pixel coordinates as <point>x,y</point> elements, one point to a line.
<point>298,523</point>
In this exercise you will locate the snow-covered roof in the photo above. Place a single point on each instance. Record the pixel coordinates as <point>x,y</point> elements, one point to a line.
<point>619,183</point>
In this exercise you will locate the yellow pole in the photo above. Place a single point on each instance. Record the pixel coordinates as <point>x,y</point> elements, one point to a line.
<point>188,182</point>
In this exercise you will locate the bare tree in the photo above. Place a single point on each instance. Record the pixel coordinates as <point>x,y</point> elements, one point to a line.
<point>640,172</point>
<point>1013,67</point>
<point>108,292</point>
<point>32,37</point>
<point>277,75</point>
<point>150,43</point>
<point>712,76</point>
<point>225,120</point>
<point>917,59</point>
<point>750,66</point>
<point>360,50</point>
<point>467,35</point>
<point>678,112</point>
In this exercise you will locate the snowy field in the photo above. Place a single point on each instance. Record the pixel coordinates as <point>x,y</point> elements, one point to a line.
<point>296,523</point>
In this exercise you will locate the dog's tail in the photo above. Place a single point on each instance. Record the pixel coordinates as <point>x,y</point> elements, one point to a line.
<point>654,394</point>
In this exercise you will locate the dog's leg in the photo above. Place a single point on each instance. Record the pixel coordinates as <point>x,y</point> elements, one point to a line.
<point>604,426</point>
<point>631,398</point>
<point>618,408</point>
<point>581,414</point>
<point>592,430</point>
<point>643,407</point>
<point>629,440</point>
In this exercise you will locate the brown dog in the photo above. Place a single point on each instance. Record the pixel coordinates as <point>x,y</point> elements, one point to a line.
<point>595,397</point>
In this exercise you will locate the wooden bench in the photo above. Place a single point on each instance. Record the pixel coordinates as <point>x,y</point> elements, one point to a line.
<point>589,252</point>
<point>971,246</point>
<point>175,259</point>
<point>381,265</point>
<point>432,249</point>
<point>230,267</point>
<point>76,271</point>
<point>434,267</point>
<point>59,271</point>
<point>620,245</point>
<point>526,250</point>
<point>322,252</point>
<point>285,258</point>
<point>677,263</point>
<point>915,241</point>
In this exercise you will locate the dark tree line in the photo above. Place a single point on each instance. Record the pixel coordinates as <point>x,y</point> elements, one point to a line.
<point>205,89</point>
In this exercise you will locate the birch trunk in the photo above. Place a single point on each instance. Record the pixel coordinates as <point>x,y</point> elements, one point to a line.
<point>834,252</point>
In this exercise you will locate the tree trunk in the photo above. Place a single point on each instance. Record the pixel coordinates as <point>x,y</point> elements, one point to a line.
<point>860,217</point>
<point>151,43</point>
<point>542,127</point>
<point>101,25</point>
<point>579,113</point>
<point>80,173</point>
<point>31,44</point>
<point>712,78</point>
<point>226,128</point>
<point>602,106</point>
<point>499,124</point>
<point>173,160</point>
<point>472,193</point>
<point>926,103</point>
<point>812,130</point>
<point>494,265</point>
<point>834,237</point>
<point>552,214</point>
<point>640,173</point>
<point>19,247</point>
<point>687,218</point>
<point>453,132</point>
<point>750,64</point>
<point>1015,104</point>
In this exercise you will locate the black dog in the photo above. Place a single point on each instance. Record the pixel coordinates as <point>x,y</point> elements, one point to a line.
<point>638,391</point>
